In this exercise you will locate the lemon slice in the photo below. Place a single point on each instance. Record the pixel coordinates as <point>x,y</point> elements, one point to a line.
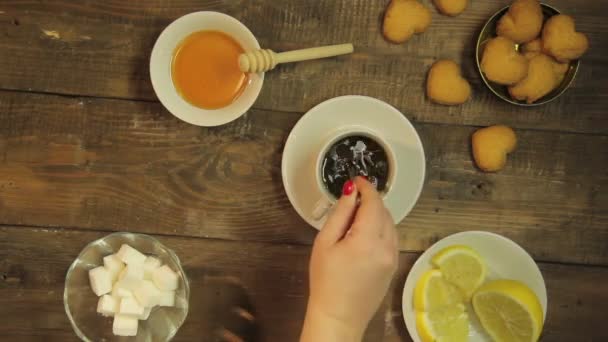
<point>509,311</point>
<point>461,266</point>
<point>433,292</point>
<point>446,324</point>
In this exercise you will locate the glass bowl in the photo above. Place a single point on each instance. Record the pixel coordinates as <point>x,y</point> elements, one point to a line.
<point>81,303</point>
<point>489,31</point>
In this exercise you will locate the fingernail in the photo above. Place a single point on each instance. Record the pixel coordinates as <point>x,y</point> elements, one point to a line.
<point>348,188</point>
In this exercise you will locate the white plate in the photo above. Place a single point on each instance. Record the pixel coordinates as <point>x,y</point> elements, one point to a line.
<point>505,260</point>
<point>340,113</point>
<point>162,57</point>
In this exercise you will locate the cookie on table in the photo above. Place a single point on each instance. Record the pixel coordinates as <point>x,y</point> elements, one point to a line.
<point>491,146</point>
<point>451,7</point>
<point>403,18</point>
<point>445,84</point>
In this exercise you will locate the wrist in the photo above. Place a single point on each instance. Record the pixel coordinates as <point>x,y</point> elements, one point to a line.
<point>319,325</point>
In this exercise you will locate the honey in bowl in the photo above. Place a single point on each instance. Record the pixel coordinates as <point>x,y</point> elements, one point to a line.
<point>205,69</point>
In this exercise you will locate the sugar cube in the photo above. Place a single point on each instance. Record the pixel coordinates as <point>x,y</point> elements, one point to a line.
<point>131,276</point>
<point>129,285</point>
<point>114,265</point>
<point>130,255</point>
<point>132,272</point>
<point>166,298</point>
<point>108,305</point>
<point>145,315</point>
<point>101,280</point>
<point>147,294</point>
<point>124,325</point>
<point>165,279</point>
<point>129,306</point>
<point>150,265</point>
<point>120,290</point>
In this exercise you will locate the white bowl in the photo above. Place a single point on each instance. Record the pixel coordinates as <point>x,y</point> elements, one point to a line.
<point>80,302</point>
<point>162,56</point>
<point>505,260</point>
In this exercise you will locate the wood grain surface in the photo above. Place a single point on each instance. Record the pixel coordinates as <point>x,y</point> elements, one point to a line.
<point>33,263</point>
<point>86,149</point>
<point>102,49</point>
<point>124,165</point>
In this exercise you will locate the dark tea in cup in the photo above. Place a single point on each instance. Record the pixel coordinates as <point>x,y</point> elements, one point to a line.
<point>351,156</point>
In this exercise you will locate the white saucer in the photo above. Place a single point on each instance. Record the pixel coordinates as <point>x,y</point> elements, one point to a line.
<point>505,260</point>
<point>305,139</point>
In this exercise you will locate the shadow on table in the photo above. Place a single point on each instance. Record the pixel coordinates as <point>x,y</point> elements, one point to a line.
<point>224,311</point>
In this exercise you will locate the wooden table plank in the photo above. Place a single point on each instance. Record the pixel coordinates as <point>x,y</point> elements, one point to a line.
<point>32,274</point>
<point>87,165</point>
<point>102,49</point>
<point>124,165</point>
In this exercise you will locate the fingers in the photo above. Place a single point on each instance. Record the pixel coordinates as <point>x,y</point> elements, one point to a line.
<point>341,217</point>
<point>367,190</point>
<point>392,234</point>
<point>371,218</point>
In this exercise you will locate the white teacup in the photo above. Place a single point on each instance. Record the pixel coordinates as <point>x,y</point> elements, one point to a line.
<point>327,200</point>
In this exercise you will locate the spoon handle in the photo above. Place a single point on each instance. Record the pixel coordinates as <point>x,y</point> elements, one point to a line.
<point>264,60</point>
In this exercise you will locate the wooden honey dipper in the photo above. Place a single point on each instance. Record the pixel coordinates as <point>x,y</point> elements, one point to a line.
<point>264,60</point>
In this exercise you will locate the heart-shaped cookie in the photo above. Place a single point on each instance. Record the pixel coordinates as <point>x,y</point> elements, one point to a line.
<point>560,70</point>
<point>491,146</point>
<point>561,40</point>
<point>403,18</point>
<point>501,63</point>
<point>542,78</point>
<point>451,7</point>
<point>534,46</point>
<point>445,84</point>
<point>522,22</point>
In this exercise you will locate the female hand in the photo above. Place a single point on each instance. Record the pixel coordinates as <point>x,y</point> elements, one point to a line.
<point>353,260</point>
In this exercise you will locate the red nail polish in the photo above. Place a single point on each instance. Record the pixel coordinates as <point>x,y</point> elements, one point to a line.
<point>348,188</point>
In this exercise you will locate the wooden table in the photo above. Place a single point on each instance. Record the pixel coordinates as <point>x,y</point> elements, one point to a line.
<point>86,149</point>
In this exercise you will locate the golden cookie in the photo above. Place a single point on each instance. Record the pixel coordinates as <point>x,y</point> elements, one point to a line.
<point>445,84</point>
<point>451,7</point>
<point>501,63</point>
<point>491,146</point>
<point>561,40</point>
<point>403,18</point>
<point>522,22</point>
<point>542,78</point>
<point>533,46</point>
<point>560,70</point>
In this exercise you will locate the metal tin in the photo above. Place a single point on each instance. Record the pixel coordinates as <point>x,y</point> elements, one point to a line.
<point>489,31</point>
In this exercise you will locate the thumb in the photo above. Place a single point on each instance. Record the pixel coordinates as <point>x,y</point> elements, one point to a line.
<point>341,217</point>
